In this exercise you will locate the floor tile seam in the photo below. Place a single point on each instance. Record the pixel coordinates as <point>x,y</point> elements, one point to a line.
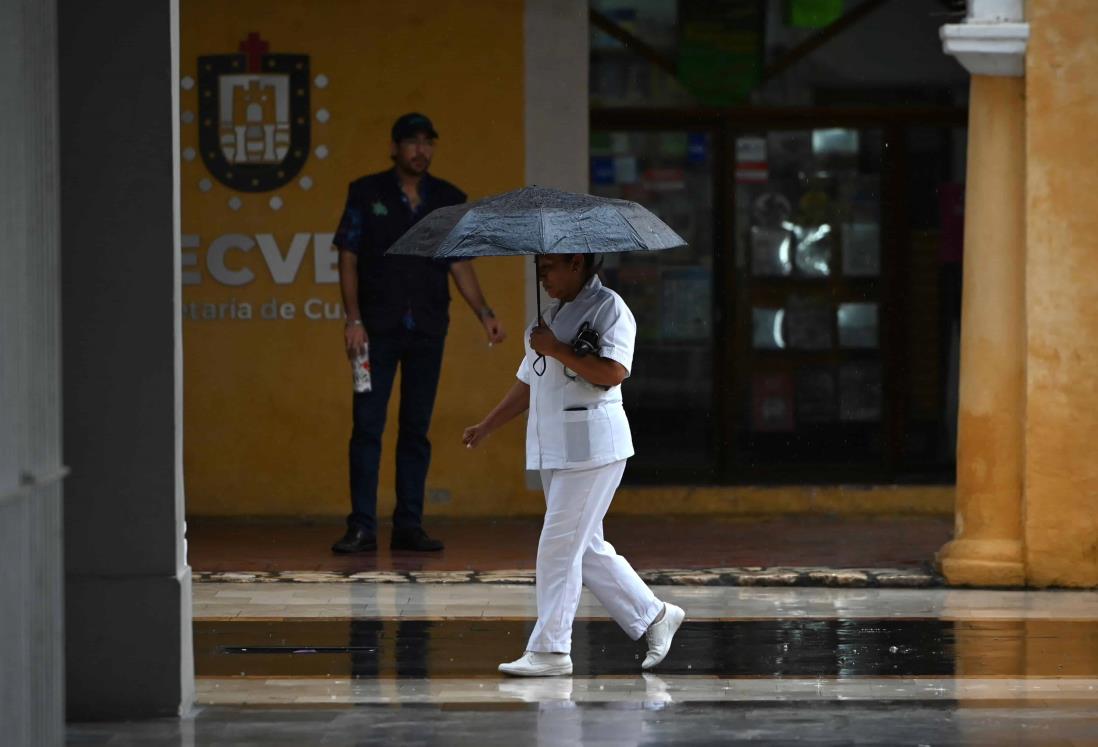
<point>452,697</point>
<point>438,594</point>
<point>249,587</point>
<point>764,595</point>
<point>759,595</point>
<point>674,678</point>
<point>593,610</point>
<point>746,576</point>
<point>252,616</point>
<point>756,700</point>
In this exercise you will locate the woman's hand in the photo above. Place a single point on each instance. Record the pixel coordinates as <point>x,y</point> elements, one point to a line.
<point>542,339</point>
<point>474,434</point>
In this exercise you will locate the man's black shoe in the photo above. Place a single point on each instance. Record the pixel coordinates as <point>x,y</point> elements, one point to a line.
<point>414,539</point>
<point>356,539</point>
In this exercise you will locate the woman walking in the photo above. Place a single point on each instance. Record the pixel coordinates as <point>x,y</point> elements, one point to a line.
<point>578,437</point>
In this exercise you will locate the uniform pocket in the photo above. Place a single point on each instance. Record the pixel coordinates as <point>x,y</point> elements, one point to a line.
<point>587,435</point>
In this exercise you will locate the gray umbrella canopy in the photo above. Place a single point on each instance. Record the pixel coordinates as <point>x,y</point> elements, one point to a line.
<point>536,220</point>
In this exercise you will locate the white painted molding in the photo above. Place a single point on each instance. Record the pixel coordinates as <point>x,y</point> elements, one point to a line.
<point>992,40</point>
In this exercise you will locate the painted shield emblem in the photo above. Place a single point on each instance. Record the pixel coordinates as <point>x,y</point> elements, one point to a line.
<point>254,116</point>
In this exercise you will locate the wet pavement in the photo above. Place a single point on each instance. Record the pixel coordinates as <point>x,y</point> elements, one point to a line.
<point>753,648</point>
<point>566,724</point>
<point>395,664</point>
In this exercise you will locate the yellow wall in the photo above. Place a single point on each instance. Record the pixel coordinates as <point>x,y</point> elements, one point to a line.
<point>267,403</point>
<point>1061,484</point>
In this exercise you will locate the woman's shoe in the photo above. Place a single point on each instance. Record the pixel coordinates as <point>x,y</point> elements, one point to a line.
<point>660,635</point>
<point>538,664</point>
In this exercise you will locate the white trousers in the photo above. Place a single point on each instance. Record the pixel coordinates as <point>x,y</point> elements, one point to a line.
<point>572,554</point>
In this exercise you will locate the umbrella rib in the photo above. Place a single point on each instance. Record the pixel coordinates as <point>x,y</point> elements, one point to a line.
<point>636,234</point>
<point>587,243</point>
<point>463,236</point>
<point>541,228</point>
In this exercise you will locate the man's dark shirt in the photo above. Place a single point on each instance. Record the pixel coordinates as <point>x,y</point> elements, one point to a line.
<point>396,292</point>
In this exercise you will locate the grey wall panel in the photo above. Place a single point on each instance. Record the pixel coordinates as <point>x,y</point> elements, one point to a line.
<point>31,676</point>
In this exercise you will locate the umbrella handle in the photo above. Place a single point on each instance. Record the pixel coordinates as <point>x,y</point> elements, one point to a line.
<point>537,296</point>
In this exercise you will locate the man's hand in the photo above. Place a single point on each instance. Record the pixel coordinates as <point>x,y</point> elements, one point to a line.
<point>466,279</point>
<point>542,339</point>
<point>493,329</point>
<point>474,434</point>
<point>354,339</point>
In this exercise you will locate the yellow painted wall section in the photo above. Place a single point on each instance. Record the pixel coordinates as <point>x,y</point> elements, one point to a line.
<point>267,402</point>
<point>1061,490</point>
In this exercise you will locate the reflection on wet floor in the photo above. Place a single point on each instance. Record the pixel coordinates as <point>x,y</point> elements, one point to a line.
<point>742,648</point>
<point>563,723</point>
<point>390,664</point>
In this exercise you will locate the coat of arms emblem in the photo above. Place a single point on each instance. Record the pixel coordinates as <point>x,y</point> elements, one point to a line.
<point>254,116</point>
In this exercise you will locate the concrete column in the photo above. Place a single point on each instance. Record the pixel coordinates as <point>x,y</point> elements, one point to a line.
<point>556,75</point>
<point>987,549</point>
<point>556,59</point>
<point>556,117</point>
<point>127,596</point>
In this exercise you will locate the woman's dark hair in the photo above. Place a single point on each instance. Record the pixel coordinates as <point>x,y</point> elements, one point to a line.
<point>592,264</point>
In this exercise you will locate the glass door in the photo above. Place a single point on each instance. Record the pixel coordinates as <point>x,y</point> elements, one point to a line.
<point>809,388</point>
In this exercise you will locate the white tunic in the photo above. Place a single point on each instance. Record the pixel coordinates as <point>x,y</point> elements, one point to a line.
<point>573,424</point>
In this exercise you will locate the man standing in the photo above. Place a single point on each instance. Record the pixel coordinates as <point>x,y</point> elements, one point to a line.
<point>399,306</point>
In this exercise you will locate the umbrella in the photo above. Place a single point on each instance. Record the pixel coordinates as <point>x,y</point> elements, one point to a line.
<point>536,220</point>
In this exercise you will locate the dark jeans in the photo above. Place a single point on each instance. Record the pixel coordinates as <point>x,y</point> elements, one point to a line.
<point>420,360</point>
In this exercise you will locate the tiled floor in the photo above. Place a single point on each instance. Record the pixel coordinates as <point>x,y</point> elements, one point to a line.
<point>472,601</point>
<point>414,663</point>
<point>649,689</point>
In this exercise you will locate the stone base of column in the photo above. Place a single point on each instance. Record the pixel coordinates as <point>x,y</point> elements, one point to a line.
<point>129,648</point>
<point>982,562</point>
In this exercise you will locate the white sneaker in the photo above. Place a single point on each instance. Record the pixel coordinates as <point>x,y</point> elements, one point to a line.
<point>660,634</point>
<point>538,664</point>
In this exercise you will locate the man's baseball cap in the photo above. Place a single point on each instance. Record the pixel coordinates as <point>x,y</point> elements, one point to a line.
<point>410,125</point>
